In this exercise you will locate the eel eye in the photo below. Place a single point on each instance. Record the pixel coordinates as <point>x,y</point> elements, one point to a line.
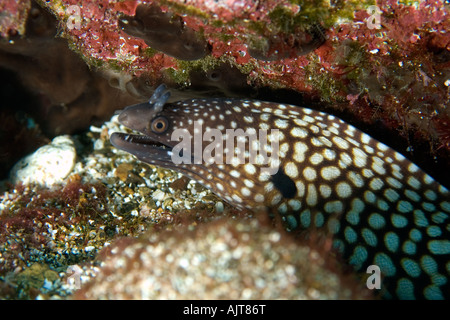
<point>159,125</point>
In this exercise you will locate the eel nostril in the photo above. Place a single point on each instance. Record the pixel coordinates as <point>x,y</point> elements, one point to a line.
<point>123,117</point>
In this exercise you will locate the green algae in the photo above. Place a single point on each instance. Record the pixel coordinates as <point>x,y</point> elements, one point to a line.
<point>183,9</point>
<point>180,75</point>
<point>149,52</point>
<point>320,80</point>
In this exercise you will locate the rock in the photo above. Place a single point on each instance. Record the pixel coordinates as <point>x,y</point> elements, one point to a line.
<point>48,165</point>
<point>225,259</point>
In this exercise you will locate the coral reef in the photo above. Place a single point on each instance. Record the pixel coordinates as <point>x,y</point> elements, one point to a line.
<point>383,64</point>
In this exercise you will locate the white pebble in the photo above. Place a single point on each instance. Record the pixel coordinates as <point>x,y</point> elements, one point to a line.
<point>158,195</point>
<point>219,207</point>
<point>48,165</point>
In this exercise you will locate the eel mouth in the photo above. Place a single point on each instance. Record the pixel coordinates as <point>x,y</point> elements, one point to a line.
<point>142,146</point>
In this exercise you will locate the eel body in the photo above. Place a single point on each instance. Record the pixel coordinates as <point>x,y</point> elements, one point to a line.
<point>316,171</point>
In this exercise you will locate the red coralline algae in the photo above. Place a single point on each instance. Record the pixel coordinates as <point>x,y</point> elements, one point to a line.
<point>93,29</point>
<point>13,16</point>
<point>40,219</point>
<point>383,61</point>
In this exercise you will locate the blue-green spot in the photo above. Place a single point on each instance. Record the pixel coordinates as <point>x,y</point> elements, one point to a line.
<point>359,257</point>
<point>415,235</point>
<point>339,245</point>
<point>428,206</point>
<point>409,247</point>
<point>411,267</point>
<point>439,246</point>
<point>412,195</point>
<point>370,197</point>
<point>398,221</point>
<point>439,279</point>
<point>445,205</point>
<point>428,264</point>
<point>350,234</point>
<point>377,221</point>
<point>353,217</point>
<point>431,195</point>
<point>334,207</point>
<point>369,237</point>
<point>291,222</point>
<point>439,217</point>
<point>427,179</point>
<point>404,206</point>
<point>333,225</point>
<point>391,195</point>
<point>394,182</point>
<point>419,218</point>
<point>382,205</point>
<point>391,241</point>
<point>319,219</point>
<point>432,292</point>
<point>413,182</point>
<point>385,263</point>
<point>305,218</point>
<point>405,289</point>
<point>358,206</point>
<point>434,231</point>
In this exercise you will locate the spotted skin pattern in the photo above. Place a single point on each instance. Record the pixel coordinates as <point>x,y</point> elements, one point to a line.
<point>380,208</point>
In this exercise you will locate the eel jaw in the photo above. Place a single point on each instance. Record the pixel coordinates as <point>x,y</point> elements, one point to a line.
<point>143,147</point>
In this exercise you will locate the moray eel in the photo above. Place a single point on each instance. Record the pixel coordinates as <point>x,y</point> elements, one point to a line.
<point>380,208</point>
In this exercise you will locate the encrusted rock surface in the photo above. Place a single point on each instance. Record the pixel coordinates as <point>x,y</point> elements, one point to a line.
<point>225,259</point>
